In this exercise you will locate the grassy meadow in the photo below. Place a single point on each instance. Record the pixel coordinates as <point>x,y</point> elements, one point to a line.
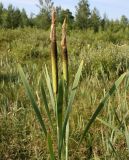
<point>105,56</point>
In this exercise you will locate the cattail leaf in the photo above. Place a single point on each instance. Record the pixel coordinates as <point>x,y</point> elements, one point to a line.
<point>67,140</point>
<point>71,98</point>
<point>102,104</point>
<point>65,78</point>
<point>49,86</point>
<point>59,114</point>
<point>50,146</point>
<point>44,97</point>
<point>32,100</point>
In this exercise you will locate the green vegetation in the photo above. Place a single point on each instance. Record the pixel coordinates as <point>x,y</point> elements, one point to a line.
<point>39,120</point>
<point>104,62</point>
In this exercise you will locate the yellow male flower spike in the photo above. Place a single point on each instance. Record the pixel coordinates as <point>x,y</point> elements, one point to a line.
<point>54,52</point>
<point>64,52</point>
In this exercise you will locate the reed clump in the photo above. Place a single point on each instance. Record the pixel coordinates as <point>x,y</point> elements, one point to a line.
<point>61,98</point>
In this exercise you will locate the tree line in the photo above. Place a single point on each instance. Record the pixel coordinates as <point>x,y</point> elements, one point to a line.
<point>83,19</point>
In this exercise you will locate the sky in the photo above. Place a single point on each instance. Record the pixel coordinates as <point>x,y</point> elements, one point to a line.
<point>113,8</point>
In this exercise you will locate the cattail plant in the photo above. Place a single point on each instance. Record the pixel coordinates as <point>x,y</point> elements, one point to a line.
<point>65,75</point>
<point>54,52</point>
<point>57,96</point>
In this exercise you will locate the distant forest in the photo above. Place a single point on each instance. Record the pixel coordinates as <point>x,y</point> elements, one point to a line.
<point>83,19</point>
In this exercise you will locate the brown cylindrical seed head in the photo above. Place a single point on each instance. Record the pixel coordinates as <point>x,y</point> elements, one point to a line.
<point>54,53</point>
<point>64,52</point>
<point>53,26</point>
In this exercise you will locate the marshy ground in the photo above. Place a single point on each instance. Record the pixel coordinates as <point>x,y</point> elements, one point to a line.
<point>105,57</point>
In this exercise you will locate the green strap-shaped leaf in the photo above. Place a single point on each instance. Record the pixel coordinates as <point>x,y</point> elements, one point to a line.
<point>49,85</point>
<point>59,114</point>
<point>46,104</point>
<point>32,100</point>
<point>102,104</point>
<point>52,156</point>
<point>71,98</point>
<point>127,136</point>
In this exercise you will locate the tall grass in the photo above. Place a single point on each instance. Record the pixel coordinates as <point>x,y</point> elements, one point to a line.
<point>21,137</point>
<point>62,99</point>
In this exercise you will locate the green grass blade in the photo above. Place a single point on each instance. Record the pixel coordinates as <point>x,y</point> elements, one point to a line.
<point>52,156</point>
<point>102,104</point>
<point>32,100</point>
<point>67,141</point>
<point>108,125</point>
<point>59,114</point>
<point>119,121</point>
<point>115,152</point>
<point>66,95</point>
<point>127,82</point>
<point>43,94</point>
<point>117,117</point>
<point>49,85</point>
<point>71,98</point>
<point>127,136</point>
